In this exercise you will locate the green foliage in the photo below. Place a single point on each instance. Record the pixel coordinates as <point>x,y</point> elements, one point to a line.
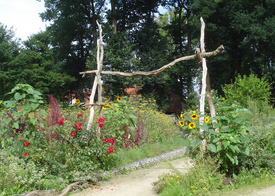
<point>203,178</point>
<point>67,151</point>
<point>18,175</point>
<point>230,144</point>
<point>245,88</point>
<point>19,113</point>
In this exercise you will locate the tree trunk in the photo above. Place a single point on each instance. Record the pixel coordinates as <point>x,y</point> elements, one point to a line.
<point>114,16</point>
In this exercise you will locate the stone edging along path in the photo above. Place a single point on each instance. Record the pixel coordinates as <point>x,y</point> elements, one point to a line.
<point>135,165</point>
<point>146,162</point>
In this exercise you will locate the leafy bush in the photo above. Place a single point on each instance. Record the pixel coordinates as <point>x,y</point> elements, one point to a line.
<point>18,175</point>
<point>245,88</point>
<point>229,145</point>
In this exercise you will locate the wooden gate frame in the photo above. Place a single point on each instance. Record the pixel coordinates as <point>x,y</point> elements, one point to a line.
<point>200,54</point>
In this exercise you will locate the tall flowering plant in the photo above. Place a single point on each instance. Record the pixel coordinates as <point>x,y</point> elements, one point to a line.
<point>229,144</point>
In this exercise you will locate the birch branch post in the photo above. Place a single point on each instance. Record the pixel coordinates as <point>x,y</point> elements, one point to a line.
<point>203,88</point>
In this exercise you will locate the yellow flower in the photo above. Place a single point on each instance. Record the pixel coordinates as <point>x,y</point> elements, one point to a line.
<point>118,98</point>
<point>181,123</point>
<point>206,119</point>
<point>181,115</point>
<point>191,187</point>
<point>105,107</point>
<point>177,176</point>
<point>194,116</point>
<point>172,178</point>
<point>223,98</point>
<point>192,125</point>
<point>77,101</point>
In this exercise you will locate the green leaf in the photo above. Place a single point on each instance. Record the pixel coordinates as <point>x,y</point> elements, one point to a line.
<point>230,158</point>
<point>217,139</point>
<point>219,148</point>
<point>15,125</point>
<point>211,147</point>
<point>34,106</point>
<point>225,143</point>
<point>18,96</point>
<point>7,120</point>
<point>33,120</point>
<point>195,142</point>
<point>216,125</point>
<point>9,104</point>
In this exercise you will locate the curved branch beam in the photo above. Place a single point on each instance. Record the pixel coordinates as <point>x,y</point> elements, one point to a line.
<point>154,72</point>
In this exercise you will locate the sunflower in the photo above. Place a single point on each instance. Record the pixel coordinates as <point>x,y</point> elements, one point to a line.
<point>192,125</point>
<point>118,98</point>
<point>77,101</point>
<point>194,116</point>
<point>181,123</point>
<point>182,117</point>
<point>206,119</point>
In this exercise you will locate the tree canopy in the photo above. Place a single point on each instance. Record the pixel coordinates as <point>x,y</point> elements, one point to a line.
<point>138,37</point>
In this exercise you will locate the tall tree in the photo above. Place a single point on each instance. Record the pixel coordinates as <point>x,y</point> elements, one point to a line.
<point>35,65</point>
<point>74,32</point>
<point>9,49</point>
<point>246,29</point>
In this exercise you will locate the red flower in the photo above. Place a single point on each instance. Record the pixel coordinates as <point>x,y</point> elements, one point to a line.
<point>78,126</point>
<point>25,154</point>
<point>101,119</point>
<point>80,114</point>
<point>112,141</point>
<point>110,150</point>
<point>101,124</point>
<point>60,121</point>
<point>72,133</point>
<point>106,140</point>
<point>27,144</point>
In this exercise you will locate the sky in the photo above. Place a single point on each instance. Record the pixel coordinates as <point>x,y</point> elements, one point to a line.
<point>23,16</point>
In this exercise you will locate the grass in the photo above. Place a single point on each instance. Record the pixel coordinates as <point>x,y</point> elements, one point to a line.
<point>149,150</point>
<point>257,184</point>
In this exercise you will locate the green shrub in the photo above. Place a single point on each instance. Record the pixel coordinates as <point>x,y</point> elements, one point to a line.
<point>19,175</point>
<point>245,88</point>
<point>229,145</point>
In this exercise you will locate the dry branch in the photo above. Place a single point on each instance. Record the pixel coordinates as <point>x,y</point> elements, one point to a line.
<point>154,72</point>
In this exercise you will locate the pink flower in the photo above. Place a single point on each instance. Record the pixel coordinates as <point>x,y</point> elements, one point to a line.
<point>27,144</point>
<point>72,133</point>
<point>80,114</point>
<point>25,154</point>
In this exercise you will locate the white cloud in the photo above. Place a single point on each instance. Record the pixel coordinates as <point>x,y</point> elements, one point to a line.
<point>23,16</point>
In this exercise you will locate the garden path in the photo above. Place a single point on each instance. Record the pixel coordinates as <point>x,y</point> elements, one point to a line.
<point>138,182</point>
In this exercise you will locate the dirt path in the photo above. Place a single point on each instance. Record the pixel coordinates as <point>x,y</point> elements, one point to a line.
<point>138,182</point>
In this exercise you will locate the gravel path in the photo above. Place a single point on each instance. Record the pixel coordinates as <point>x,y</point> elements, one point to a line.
<point>138,182</point>
<point>141,175</point>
